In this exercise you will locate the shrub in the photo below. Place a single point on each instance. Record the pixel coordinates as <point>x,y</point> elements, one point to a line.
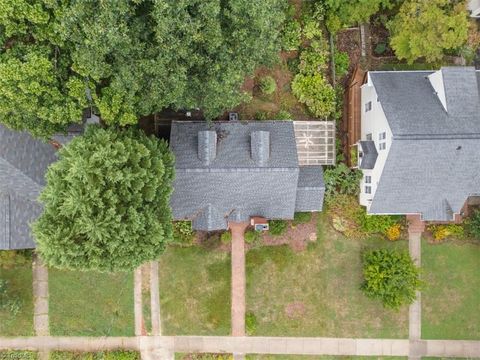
<point>342,63</point>
<point>250,323</point>
<point>252,236</point>
<point>441,232</point>
<point>393,232</point>
<point>316,93</point>
<point>183,233</point>
<point>302,217</point>
<point>341,180</point>
<point>226,237</point>
<point>313,59</point>
<point>472,225</point>
<point>376,223</point>
<point>380,48</point>
<point>268,85</point>
<point>283,115</point>
<point>390,276</point>
<point>277,227</point>
<point>291,35</point>
<point>8,301</point>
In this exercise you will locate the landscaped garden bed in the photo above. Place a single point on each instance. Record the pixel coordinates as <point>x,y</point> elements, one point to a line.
<point>195,291</point>
<point>450,299</point>
<point>90,303</point>
<point>16,308</point>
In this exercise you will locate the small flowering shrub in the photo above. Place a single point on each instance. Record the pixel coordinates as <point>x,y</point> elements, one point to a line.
<point>393,232</point>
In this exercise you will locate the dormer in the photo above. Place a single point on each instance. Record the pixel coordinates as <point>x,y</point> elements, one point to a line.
<point>436,80</point>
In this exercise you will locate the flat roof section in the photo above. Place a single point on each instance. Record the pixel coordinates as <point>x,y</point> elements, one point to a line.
<point>315,142</point>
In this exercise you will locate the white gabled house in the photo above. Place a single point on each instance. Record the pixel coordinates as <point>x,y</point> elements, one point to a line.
<point>419,142</point>
<point>474,7</point>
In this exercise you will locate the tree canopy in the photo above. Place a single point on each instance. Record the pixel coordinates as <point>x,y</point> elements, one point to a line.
<point>106,202</point>
<point>129,58</point>
<point>426,28</point>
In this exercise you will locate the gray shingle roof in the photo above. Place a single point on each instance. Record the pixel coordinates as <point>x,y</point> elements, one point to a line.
<point>430,177</point>
<point>370,154</point>
<point>413,109</point>
<point>233,186</point>
<point>433,164</point>
<point>311,189</point>
<point>23,163</point>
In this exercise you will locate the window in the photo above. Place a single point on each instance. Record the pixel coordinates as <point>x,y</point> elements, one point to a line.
<point>382,146</point>
<point>368,106</point>
<point>369,136</point>
<point>382,136</point>
<point>368,179</point>
<point>368,189</point>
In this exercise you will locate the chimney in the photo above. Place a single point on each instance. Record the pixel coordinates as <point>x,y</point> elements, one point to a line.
<point>260,146</point>
<point>207,146</point>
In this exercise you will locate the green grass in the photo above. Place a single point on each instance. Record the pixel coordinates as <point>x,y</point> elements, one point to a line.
<point>317,292</point>
<point>20,287</point>
<point>90,303</point>
<point>18,355</point>
<point>450,301</point>
<point>320,357</point>
<point>195,291</point>
<point>104,355</point>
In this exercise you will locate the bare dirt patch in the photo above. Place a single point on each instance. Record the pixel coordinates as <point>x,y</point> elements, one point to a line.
<point>295,310</point>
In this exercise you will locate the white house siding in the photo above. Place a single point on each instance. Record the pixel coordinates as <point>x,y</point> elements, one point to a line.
<point>373,122</point>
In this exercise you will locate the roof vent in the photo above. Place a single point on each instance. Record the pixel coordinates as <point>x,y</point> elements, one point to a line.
<point>207,146</point>
<point>260,146</point>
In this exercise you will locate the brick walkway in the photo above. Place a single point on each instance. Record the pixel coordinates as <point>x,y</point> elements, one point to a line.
<point>165,346</point>
<point>40,301</point>
<point>238,278</point>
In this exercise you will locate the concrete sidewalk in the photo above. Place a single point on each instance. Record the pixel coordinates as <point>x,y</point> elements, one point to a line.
<point>253,345</point>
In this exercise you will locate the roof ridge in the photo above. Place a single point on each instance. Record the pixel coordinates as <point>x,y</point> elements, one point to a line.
<point>436,137</point>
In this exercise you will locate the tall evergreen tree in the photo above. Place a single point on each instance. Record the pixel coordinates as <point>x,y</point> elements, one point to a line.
<point>106,202</point>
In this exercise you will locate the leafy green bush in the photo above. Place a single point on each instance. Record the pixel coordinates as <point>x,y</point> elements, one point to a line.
<point>291,35</point>
<point>390,276</point>
<point>380,48</point>
<point>380,224</point>
<point>268,85</point>
<point>443,231</point>
<point>226,237</point>
<point>302,217</point>
<point>283,115</point>
<point>341,180</point>
<point>472,225</point>
<point>252,236</point>
<point>342,63</point>
<point>277,227</point>
<point>314,59</point>
<point>250,323</point>
<point>315,92</point>
<point>183,234</point>
<point>9,301</point>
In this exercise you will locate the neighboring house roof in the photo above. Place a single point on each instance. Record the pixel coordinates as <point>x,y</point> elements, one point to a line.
<point>23,163</point>
<point>230,171</point>
<point>433,164</point>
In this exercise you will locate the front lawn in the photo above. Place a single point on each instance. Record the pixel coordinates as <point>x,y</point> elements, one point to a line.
<point>195,291</point>
<point>317,292</point>
<point>91,303</point>
<point>451,299</point>
<point>20,290</point>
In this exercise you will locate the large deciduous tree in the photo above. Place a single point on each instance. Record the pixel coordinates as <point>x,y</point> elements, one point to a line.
<point>106,202</point>
<point>138,57</point>
<point>426,28</point>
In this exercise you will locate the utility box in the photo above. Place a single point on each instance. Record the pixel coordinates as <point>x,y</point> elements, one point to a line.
<point>259,223</point>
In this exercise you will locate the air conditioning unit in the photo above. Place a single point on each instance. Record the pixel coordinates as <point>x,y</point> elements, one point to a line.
<point>232,116</point>
<point>259,223</point>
